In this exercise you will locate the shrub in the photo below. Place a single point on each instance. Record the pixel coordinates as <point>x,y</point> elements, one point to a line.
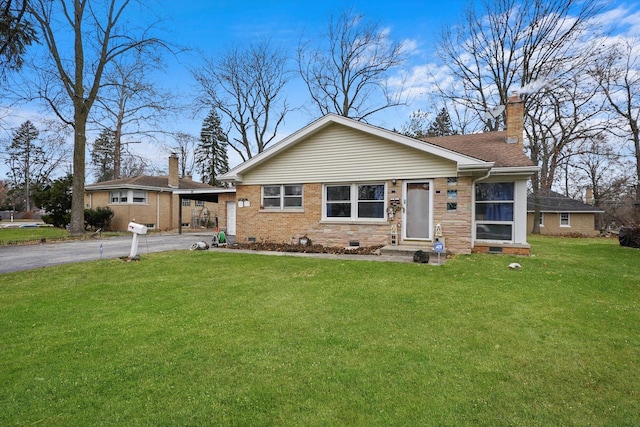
<point>57,219</point>
<point>98,218</point>
<point>629,236</point>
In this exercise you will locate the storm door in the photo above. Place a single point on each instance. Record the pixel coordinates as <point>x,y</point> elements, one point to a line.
<point>417,215</point>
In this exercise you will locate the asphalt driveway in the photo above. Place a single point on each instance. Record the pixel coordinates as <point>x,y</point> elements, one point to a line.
<point>17,258</point>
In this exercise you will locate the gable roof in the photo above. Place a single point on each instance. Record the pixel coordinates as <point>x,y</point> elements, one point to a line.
<point>146,182</point>
<point>464,160</point>
<point>556,202</point>
<point>488,146</point>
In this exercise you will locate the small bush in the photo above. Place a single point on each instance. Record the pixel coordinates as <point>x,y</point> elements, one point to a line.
<point>57,219</point>
<point>629,236</point>
<point>98,218</point>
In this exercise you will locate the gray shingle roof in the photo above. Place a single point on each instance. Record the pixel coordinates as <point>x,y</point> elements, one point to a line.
<point>146,181</point>
<point>555,202</point>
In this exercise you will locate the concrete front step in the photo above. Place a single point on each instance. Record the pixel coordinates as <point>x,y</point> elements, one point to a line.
<point>409,250</point>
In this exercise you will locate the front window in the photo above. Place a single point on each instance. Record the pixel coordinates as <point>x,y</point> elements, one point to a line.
<point>282,196</point>
<point>139,197</point>
<point>118,197</point>
<point>494,211</point>
<point>355,201</point>
<point>186,203</point>
<point>128,196</point>
<point>564,220</point>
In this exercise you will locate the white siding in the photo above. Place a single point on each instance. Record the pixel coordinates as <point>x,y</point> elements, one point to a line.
<point>337,154</point>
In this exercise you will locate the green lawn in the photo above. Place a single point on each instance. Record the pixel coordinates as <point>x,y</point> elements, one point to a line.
<point>27,235</point>
<point>210,338</point>
<point>10,236</point>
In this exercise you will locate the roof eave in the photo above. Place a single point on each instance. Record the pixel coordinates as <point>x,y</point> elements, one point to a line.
<point>204,191</point>
<point>127,187</point>
<point>235,174</point>
<point>515,170</point>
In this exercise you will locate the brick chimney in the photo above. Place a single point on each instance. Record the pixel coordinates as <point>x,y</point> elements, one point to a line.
<point>589,196</point>
<point>515,120</point>
<point>174,179</point>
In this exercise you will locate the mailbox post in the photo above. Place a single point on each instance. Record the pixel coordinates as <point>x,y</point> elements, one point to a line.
<point>136,229</point>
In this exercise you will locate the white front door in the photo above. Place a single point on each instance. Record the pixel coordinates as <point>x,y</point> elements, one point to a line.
<point>231,218</point>
<point>418,200</point>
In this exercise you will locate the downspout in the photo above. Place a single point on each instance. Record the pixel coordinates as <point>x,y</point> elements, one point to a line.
<point>179,213</point>
<point>158,210</point>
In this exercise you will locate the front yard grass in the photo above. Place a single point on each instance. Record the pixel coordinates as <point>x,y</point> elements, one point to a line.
<point>36,235</point>
<point>12,236</point>
<point>211,338</point>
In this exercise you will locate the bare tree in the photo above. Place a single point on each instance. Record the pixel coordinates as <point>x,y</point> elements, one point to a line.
<point>73,75</point>
<point>418,124</point>
<point>247,86</point>
<point>185,146</point>
<point>129,103</point>
<point>535,48</point>
<point>619,77</point>
<point>597,171</point>
<point>346,69</point>
<point>507,46</point>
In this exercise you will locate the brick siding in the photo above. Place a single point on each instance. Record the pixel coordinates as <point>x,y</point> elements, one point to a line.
<point>287,227</point>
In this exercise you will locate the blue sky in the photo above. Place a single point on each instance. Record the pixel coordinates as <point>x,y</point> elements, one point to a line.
<point>208,27</point>
<point>215,25</point>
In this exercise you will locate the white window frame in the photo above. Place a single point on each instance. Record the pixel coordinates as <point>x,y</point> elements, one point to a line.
<point>282,196</point>
<point>186,203</point>
<point>116,197</point>
<point>541,221</point>
<point>354,201</point>
<point>568,219</point>
<point>128,197</point>
<point>512,222</point>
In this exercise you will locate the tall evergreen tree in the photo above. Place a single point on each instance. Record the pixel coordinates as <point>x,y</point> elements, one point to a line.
<point>16,33</point>
<point>103,155</point>
<point>25,157</point>
<point>441,126</point>
<point>211,155</point>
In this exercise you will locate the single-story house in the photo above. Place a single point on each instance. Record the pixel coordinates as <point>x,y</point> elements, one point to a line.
<point>159,202</point>
<point>340,182</point>
<point>561,215</point>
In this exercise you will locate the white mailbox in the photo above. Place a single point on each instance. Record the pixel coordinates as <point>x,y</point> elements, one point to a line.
<point>137,228</point>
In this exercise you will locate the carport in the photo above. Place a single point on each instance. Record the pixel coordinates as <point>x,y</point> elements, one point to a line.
<point>201,194</point>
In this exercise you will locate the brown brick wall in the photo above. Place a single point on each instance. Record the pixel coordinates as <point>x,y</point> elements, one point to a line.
<point>504,249</point>
<point>166,218</point>
<point>580,223</point>
<point>456,225</point>
<point>221,211</point>
<point>285,227</point>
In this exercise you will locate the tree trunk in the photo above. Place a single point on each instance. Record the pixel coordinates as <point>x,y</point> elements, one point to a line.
<point>76,226</point>
<point>636,143</point>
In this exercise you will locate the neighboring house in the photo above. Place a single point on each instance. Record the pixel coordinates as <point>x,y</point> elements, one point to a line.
<point>339,182</point>
<point>159,202</point>
<point>560,215</point>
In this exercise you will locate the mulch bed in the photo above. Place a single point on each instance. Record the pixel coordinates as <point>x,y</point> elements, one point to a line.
<point>310,249</point>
